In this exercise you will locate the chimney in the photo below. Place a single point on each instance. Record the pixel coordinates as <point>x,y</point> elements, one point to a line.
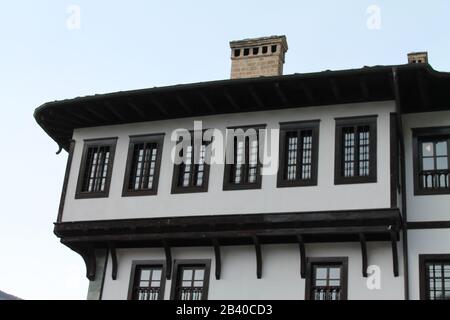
<point>258,57</point>
<point>418,57</point>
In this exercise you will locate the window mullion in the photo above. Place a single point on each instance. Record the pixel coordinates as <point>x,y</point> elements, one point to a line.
<point>299,163</point>
<point>356,152</point>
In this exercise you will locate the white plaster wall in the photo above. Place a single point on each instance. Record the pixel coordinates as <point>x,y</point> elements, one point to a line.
<point>429,241</point>
<point>423,207</point>
<point>324,196</point>
<point>281,271</point>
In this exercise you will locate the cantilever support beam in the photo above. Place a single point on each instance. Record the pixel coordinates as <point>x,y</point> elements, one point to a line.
<point>394,252</point>
<point>218,258</point>
<point>301,247</point>
<point>112,249</point>
<point>168,254</point>
<point>362,240</point>
<point>258,257</point>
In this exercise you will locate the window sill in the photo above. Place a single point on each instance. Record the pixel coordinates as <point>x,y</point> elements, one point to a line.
<point>231,187</point>
<point>91,195</point>
<point>354,180</point>
<point>139,193</point>
<point>296,183</point>
<point>182,190</point>
<point>424,192</point>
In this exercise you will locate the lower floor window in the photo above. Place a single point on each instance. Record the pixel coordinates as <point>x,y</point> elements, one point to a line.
<point>435,277</point>
<point>191,280</point>
<point>147,282</point>
<point>326,279</point>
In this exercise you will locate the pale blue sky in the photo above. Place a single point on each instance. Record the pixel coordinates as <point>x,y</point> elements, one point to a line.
<point>137,44</point>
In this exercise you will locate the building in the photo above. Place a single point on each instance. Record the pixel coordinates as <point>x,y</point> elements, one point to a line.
<point>358,207</point>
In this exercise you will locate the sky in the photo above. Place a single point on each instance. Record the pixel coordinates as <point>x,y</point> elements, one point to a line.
<point>52,50</point>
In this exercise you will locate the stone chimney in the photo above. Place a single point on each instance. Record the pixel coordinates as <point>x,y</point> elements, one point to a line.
<point>258,57</point>
<point>418,57</point>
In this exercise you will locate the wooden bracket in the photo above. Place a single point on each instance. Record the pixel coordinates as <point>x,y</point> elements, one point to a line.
<point>394,252</point>
<point>112,249</point>
<point>258,256</point>
<point>168,254</point>
<point>362,240</point>
<point>301,247</point>
<point>218,258</point>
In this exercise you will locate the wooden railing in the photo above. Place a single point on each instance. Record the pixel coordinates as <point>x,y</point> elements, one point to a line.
<point>189,293</point>
<point>326,293</point>
<point>147,293</point>
<point>434,179</point>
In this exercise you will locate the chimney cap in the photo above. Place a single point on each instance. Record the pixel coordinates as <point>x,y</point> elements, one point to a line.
<point>418,57</point>
<point>259,41</point>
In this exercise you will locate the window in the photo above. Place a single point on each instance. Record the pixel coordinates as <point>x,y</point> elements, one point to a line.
<point>143,164</point>
<point>147,280</point>
<point>193,173</point>
<point>244,171</point>
<point>356,150</point>
<point>299,143</point>
<point>434,272</point>
<point>326,279</point>
<point>191,280</point>
<point>96,168</point>
<point>431,160</point>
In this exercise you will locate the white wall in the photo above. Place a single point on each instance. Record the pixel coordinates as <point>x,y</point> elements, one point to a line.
<point>281,271</point>
<point>325,196</point>
<point>423,207</point>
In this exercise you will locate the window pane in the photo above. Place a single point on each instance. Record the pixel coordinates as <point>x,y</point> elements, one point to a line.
<point>427,149</point>
<point>321,273</point>
<point>335,273</point>
<point>199,274</point>
<point>156,275</point>
<point>428,163</point>
<point>145,275</point>
<point>441,163</point>
<point>187,274</point>
<point>441,148</point>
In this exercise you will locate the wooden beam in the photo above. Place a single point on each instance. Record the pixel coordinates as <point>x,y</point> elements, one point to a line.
<point>281,94</point>
<point>230,99</point>
<point>218,258</point>
<point>394,252</point>
<point>362,240</point>
<point>136,109</point>
<point>114,111</point>
<point>112,249</point>
<point>168,254</point>
<point>258,256</point>
<point>183,104</point>
<point>308,92</point>
<point>301,246</point>
<point>255,96</point>
<point>423,91</point>
<point>206,101</point>
<point>66,119</point>
<point>364,88</point>
<point>79,116</point>
<point>158,105</point>
<point>335,89</point>
<point>95,113</point>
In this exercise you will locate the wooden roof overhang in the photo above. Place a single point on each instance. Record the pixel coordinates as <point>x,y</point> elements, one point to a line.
<point>420,88</point>
<point>222,230</point>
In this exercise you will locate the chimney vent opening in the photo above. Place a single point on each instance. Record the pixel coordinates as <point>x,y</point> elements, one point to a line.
<point>255,51</point>
<point>274,49</point>
<point>246,52</point>
<point>264,49</point>
<point>237,52</point>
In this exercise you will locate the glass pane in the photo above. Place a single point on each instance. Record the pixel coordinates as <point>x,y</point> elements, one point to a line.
<point>143,283</point>
<point>198,283</point>
<point>199,274</point>
<point>187,274</point>
<point>441,148</point>
<point>145,274</point>
<point>441,163</point>
<point>427,149</point>
<point>321,273</point>
<point>156,275</point>
<point>428,164</point>
<point>335,273</point>
<point>321,283</point>
<point>335,283</point>
<point>186,283</point>
<point>155,284</point>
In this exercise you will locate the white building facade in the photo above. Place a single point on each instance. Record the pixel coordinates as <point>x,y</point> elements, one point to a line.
<point>356,208</point>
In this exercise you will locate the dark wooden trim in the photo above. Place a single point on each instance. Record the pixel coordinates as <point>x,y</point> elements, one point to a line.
<point>301,247</point>
<point>111,142</point>
<point>362,240</point>
<point>258,254</point>
<point>228,170</point>
<point>394,159</point>
<point>423,259</point>
<point>343,261</point>
<point>218,258</point>
<point>168,254</point>
<point>149,138</point>
<point>66,181</point>
<point>417,135</point>
<point>394,253</point>
<point>314,126</point>
<point>191,262</point>
<point>414,225</point>
<point>371,121</point>
<point>147,263</point>
<point>114,268</point>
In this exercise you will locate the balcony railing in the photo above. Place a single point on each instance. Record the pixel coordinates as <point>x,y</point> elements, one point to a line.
<point>326,293</point>
<point>147,293</point>
<point>435,179</point>
<point>189,293</point>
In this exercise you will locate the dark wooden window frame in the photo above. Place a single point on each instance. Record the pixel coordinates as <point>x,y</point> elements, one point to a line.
<point>311,125</point>
<point>147,263</point>
<point>157,138</point>
<point>343,261</point>
<point>176,189</point>
<point>423,259</point>
<point>191,262</point>
<point>342,123</point>
<point>227,184</point>
<point>418,135</point>
<point>89,143</point>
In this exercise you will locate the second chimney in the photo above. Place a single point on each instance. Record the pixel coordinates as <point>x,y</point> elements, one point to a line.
<point>418,57</point>
<point>258,57</point>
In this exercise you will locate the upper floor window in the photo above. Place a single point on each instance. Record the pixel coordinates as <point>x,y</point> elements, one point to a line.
<point>326,279</point>
<point>147,280</point>
<point>191,280</point>
<point>356,150</point>
<point>96,168</point>
<point>431,160</point>
<point>143,164</point>
<point>192,174</point>
<point>434,276</point>
<point>299,142</point>
<point>243,167</point>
